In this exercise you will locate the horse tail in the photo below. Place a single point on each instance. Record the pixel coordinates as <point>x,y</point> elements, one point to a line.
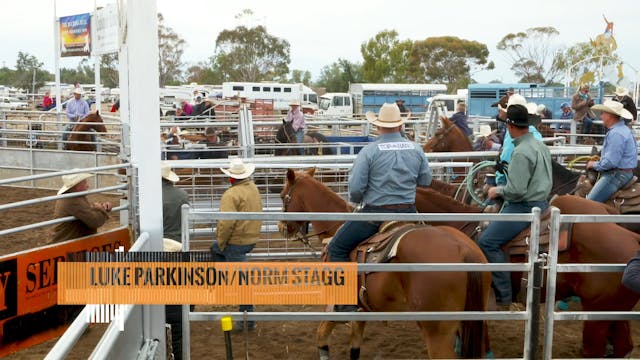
<point>473,331</point>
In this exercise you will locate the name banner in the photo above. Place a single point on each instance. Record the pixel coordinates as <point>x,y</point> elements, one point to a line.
<point>265,283</point>
<point>75,35</point>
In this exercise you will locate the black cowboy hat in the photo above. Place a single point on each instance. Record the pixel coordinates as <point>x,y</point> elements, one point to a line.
<point>518,115</point>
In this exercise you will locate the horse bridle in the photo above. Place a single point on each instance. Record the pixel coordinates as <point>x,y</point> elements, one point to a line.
<point>301,229</point>
<point>442,136</point>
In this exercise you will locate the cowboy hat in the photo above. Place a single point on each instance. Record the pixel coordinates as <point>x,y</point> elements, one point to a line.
<point>515,99</point>
<point>485,130</point>
<point>77,91</point>
<point>518,115</point>
<point>71,180</point>
<point>239,170</point>
<point>615,108</point>
<point>166,173</point>
<point>564,105</point>
<point>294,103</point>
<point>620,91</point>
<point>534,110</point>
<point>389,116</point>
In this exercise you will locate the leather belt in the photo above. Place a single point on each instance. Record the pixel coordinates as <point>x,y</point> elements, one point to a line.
<point>392,206</point>
<point>625,170</point>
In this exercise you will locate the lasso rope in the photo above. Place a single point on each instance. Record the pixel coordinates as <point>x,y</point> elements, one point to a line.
<point>585,158</point>
<point>471,176</point>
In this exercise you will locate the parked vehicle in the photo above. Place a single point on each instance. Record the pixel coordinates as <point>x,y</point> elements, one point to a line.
<point>281,94</point>
<point>11,103</point>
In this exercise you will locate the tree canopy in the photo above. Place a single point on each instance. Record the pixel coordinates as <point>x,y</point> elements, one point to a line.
<point>337,76</point>
<point>532,54</point>
<point>448,60</point>
<point>171,48</point>
<point>385,58</point>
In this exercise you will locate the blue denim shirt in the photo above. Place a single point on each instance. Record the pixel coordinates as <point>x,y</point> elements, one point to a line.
<point>387,172</point>
<point>620,150</point>
<point>78,108</point>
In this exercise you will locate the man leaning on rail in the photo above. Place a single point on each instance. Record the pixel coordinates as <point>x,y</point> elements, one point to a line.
<point>89,216</point>
<point>528,186</point>
<point>384,177</point>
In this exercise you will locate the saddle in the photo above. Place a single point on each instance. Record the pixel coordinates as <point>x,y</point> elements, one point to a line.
<point>520,244</point>
<point>379,248</point>
<point>627,199</point>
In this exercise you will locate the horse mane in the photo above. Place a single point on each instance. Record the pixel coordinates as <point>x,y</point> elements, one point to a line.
<point>319,187</point>
<point>563,178</point>
<point>445,203</point>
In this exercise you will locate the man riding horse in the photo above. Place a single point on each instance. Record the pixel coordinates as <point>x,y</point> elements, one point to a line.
<point>384,177</point>
<point>528,185</point>
<point>619,155</point>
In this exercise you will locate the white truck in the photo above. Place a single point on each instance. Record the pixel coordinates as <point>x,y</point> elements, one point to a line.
<point>336,104</point>
<point>281,94</point>
<point>447,102</point>
<point>11,103</point>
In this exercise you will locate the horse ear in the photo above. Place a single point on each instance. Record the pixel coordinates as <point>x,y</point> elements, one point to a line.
<point>97,112</point>
<point>445,121</point>
<point>311,171</point>
<point>594,150</point>
<point>291,176</point>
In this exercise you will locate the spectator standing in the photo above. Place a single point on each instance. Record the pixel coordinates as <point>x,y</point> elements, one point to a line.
<point>236,238</point>
<point>581,103</point>
<point>172,200</point>
<point>567,114</point>
<point>214,145</point>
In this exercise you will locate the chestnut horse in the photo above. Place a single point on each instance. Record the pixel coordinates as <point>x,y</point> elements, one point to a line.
<point>448,138</point>
<point>405,291</point>
<point>80,138</point>
<point>590,243</point>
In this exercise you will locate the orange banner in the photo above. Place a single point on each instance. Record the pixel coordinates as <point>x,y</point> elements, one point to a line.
<point>29,313</point>
<point>272,283</point>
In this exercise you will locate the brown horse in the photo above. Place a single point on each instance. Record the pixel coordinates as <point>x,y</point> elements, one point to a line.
<point>590,243</point>
<point>80,138</point>
<point>405,291</point>
<point>449,138</point>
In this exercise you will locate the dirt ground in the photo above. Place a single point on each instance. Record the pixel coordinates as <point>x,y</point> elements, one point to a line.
<point>277,340</point>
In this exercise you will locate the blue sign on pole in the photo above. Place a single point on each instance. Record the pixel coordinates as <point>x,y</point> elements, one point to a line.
<point>75,35</point>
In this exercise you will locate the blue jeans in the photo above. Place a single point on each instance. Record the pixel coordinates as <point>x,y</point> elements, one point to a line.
<point>233,253</point>
<point>300,140</point>
<point>499,233</point>
<point>352,233</point>
<point>609,183</point>
<point>587,122</point>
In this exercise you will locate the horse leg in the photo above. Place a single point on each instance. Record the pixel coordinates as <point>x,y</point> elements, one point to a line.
<point>594,338</point>
<point>322,338</point>
<point>357,335</point>
<point>440,338</point>
<point>620,336</point>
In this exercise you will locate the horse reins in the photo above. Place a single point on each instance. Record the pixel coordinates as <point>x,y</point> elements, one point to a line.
<point>300,234</point>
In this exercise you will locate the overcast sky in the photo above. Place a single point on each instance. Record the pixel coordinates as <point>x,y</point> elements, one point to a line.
<point>322,31</point>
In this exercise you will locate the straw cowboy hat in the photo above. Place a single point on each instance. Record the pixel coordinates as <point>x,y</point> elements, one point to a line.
<point>620,91</point>
<point>239,170</point>
<point>615,108</point>
<point>77,91</point>
<point>166,173</point>
<point>71,180</point>
<point>294,103</point>
<point>389,116</point>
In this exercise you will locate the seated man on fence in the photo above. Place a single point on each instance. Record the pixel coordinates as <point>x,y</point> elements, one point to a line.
<point>89,216</point>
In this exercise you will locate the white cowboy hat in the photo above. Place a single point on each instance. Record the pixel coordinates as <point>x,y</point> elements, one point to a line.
<point>485,130</point>
<point>239,170</point>
<point>620,91</point>
<point>294,103</point>
<point>77,91</point>
<point>171,245</point>
<point>613,107</point>
<point>166,173</point>
<point>515,99</point>
<point>389,116</point>
<point>71,180</point>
